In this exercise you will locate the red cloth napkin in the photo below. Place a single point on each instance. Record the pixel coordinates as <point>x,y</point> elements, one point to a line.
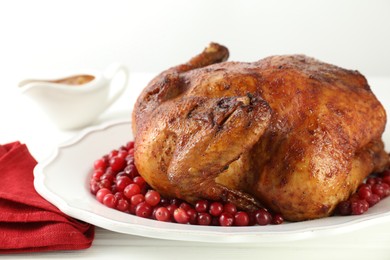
<point>29,223</point>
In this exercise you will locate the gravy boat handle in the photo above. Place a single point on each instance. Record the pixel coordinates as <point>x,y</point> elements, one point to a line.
<point>111,74</point>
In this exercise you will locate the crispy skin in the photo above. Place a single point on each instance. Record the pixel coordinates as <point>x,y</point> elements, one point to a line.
<point>289,132</point>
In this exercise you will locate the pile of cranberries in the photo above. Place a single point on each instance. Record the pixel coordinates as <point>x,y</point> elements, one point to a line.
<point>117,184</point>
<point>375,188</point>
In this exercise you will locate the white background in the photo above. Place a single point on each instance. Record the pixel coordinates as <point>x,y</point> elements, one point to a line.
<point>44,37</point>
<point>151,35</point>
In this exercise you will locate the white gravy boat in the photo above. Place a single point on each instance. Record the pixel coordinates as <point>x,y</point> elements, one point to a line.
<point>76,101</point>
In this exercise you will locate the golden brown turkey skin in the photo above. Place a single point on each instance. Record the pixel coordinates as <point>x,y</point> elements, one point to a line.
<point>289,132</point>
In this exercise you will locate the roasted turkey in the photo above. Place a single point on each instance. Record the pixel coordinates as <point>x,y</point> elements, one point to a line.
<point>287,132</point>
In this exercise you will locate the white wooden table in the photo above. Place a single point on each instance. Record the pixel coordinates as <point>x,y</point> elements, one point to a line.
<point>23,121</point>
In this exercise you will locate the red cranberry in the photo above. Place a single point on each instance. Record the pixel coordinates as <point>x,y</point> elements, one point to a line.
<point>94,186</point>
<point>143,210</point>
<point>137,199</point>
<point>101,193</point>
<point>204,219</point>
<point>358,207</point>
<point>230,208</point>
<point>373,199</point>
<point>152,197</point>
<point>117,163</point>
<point>216,208</point>
<point>386,188</point>
<point>131,189</point>
<point>139,180</point>
<point>109,176</point>
<point>105,184</point>
<point>180,215</point>
<point>193,216</point>
<point>122,205</point>
<point>131,151</point>
<point>252,218</point>
<point>379,190</point>
<point>344,208</point>
<point>112,154</point>
<point>122,182</point>
<point>171,208</point>
<point>241,218</point>
<point>364,191</point>
<point>100,164</point>
<point>97,174</point>
<point>130,160</point>
<point>263,217</point>
<point>185,206</point>
<point>109,200</point>
<point>131,171</point>
<point>365,205</point>
<point>163,214</point>
<point>119,195</point>
<point>371,181</point>
<point>202,206</point>
<point>226,219</point>
<point>129,145</point>
<point>113,188</point>
<point>386,179</point>
<point>123,154</point>
<point>277,219</point>
<point>378,180</point>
